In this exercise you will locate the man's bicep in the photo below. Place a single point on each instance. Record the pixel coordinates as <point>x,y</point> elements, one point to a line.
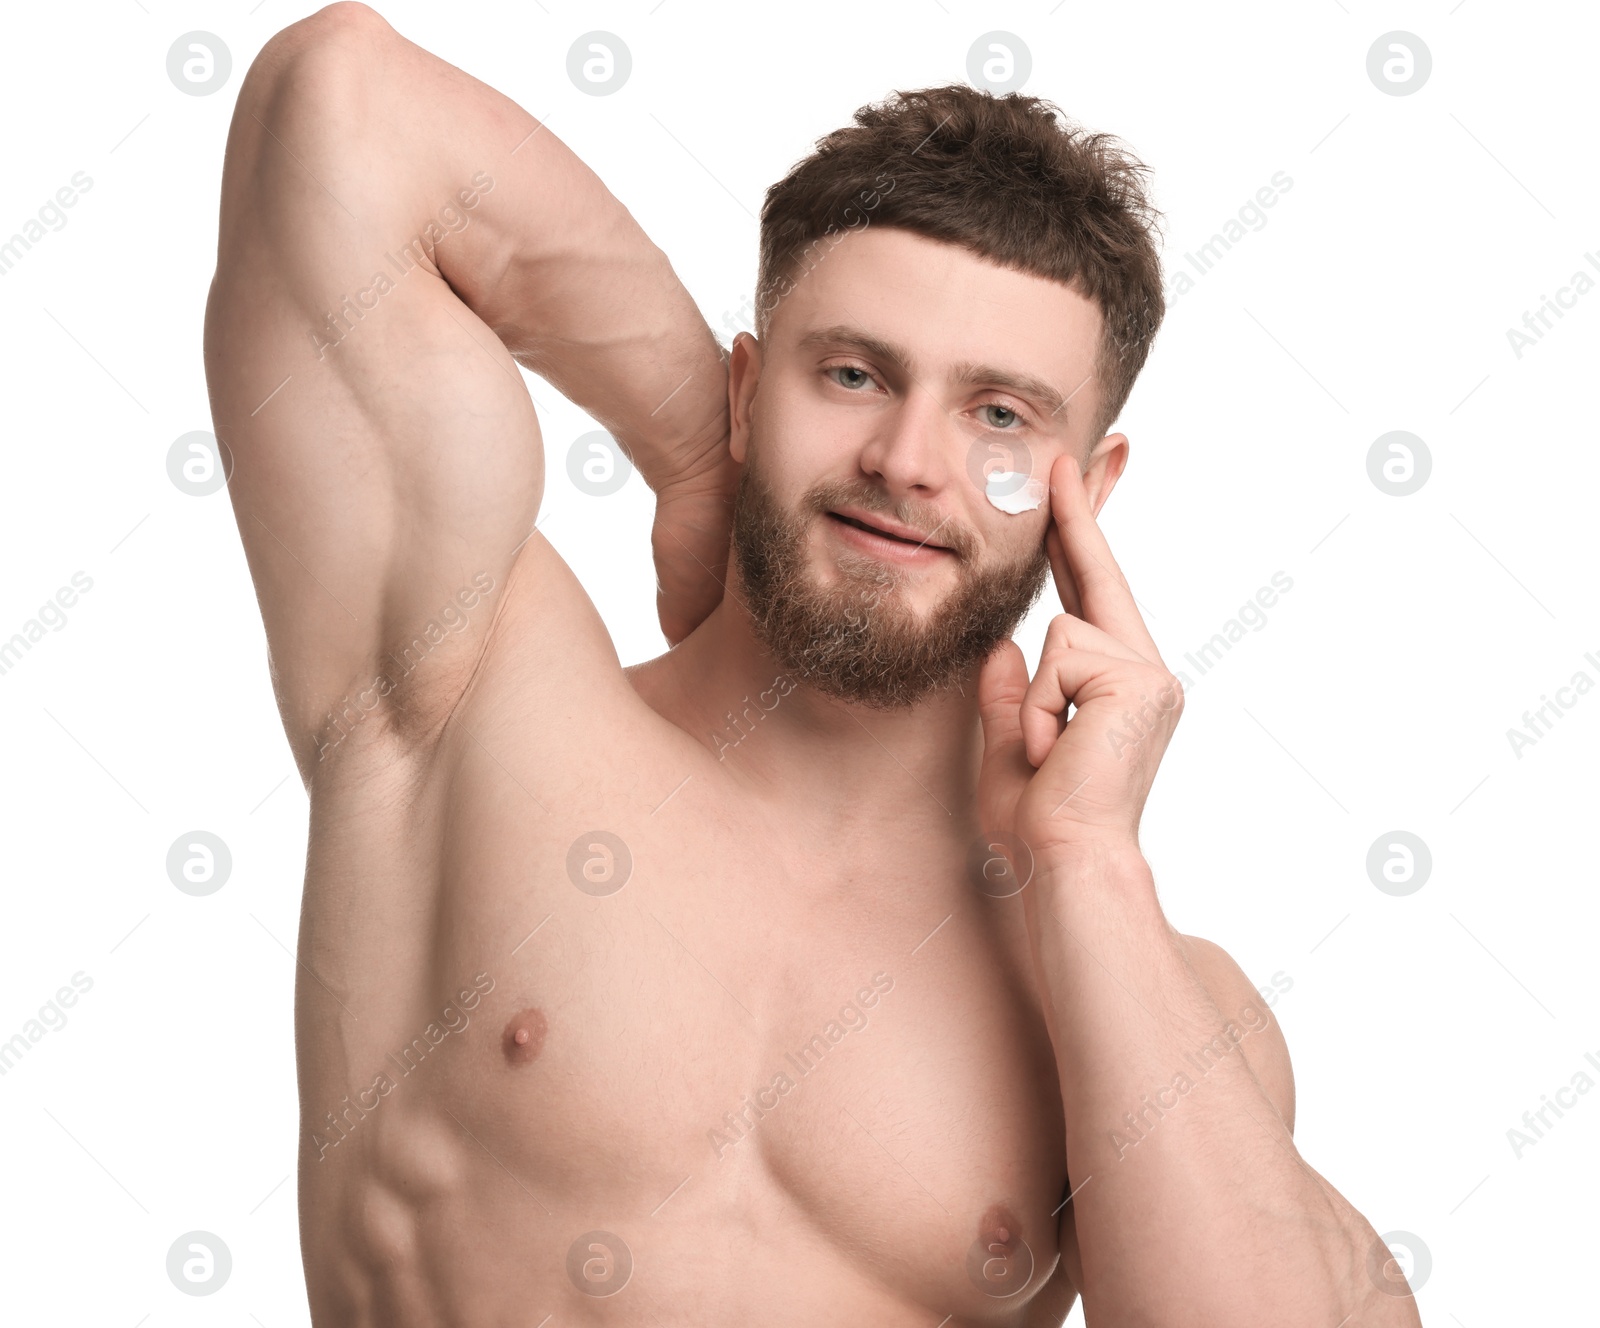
<point>376,494</point>
<point>1262,1045</point>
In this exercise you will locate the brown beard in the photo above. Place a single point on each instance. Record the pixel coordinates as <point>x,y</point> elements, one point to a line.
<point>857,640</point>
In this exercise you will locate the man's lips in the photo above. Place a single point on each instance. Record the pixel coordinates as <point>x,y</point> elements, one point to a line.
<point>887,529</point>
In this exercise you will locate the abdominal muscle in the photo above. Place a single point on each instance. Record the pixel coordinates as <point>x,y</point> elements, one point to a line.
<point>522,1099</point>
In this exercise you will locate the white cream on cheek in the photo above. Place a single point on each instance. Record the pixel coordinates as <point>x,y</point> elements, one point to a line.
<point>1012,492</point>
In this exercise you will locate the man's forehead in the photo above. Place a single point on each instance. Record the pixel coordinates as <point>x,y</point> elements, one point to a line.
<point>942,311</point>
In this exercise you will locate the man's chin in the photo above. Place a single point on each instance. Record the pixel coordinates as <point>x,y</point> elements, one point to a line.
<point>886,643</point>
<point>861,629</point>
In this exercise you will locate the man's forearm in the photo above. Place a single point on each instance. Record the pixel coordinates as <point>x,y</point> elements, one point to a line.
<point>1193,1205</point>
<point>553,262</point>
<point>582,296</point>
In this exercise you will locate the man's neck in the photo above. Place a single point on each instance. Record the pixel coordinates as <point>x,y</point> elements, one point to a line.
<point>844,761</point>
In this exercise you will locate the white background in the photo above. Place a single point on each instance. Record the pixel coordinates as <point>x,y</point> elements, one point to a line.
<point>1378,696</point>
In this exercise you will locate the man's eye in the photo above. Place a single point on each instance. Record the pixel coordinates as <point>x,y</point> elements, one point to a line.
<point>861,375</point>
<point>1006,423</point>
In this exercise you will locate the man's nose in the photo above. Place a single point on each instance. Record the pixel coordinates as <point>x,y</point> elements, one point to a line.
<point>915,446</point>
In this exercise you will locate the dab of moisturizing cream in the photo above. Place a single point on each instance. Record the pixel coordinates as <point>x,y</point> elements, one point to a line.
<point>1014,493</point>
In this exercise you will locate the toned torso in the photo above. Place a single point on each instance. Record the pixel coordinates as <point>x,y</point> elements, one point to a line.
<point>772,1071</point>
<point>466,733</point>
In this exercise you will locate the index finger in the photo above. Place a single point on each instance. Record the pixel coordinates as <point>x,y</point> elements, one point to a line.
<point>1102,590</point>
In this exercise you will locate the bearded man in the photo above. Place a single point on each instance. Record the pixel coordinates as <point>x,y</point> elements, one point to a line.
<point>809,973</point>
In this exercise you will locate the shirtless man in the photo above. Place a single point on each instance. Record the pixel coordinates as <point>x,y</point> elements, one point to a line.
<point>782,979</point>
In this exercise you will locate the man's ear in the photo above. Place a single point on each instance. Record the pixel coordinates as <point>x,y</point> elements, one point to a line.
<point>1107,460</point>
<point>744,376</point>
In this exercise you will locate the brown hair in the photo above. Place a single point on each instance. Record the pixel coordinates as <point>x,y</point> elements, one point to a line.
<point>1000,176</point>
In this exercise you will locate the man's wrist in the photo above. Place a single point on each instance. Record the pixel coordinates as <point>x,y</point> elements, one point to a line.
<point>1088,870</point>
<point>699,461</point>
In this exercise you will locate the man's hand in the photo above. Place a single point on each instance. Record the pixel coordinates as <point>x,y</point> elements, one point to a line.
<point>1060,783</point>
<point>1158,1207</point>
<point>693,526</point>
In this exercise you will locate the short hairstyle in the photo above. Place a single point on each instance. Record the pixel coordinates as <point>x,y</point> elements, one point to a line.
<point>1008,178</point>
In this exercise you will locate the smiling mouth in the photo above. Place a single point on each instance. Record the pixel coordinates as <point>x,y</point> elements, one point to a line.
<point>884,534</point>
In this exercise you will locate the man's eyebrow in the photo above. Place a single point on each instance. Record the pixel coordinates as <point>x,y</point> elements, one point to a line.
<point>1027,385</point>
<point>843,335</point>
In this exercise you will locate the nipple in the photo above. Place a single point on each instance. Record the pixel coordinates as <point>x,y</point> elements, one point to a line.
<point>999,1261</point>
<point>997,1225</point>
<point>524,1036</point>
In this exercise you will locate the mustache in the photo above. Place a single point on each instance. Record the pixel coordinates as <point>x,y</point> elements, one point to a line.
<point>831,494</point>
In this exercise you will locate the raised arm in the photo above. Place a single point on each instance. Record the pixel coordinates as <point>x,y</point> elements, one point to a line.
<point>393,232</point>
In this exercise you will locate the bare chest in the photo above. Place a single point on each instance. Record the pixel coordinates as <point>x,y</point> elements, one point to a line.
<point>848,1040</point>
<point>691,1016</point>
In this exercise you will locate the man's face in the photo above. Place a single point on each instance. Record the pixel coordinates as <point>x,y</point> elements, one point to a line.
<point>895,377</point>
